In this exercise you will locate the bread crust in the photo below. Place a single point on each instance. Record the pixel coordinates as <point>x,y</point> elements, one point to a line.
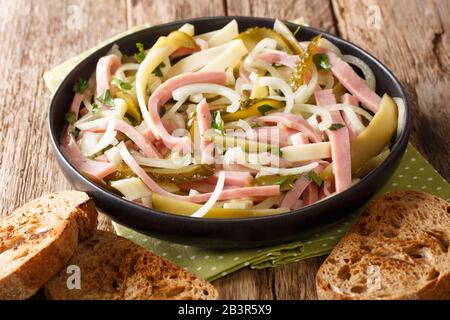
<point>115,268</point>
<point>41,254</point>
<point>403,232</point>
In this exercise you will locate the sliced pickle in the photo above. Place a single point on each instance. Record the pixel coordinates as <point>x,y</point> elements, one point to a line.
<point>252,36</point>
<point>373,139</point>
<point>195,172</point>
<point>132,105</point>
<point>175,206</point>
<point>178,39</point>
<point>304,63</point>
<point>123,172</point>
<point>286,183</point>
<point>257,108</point>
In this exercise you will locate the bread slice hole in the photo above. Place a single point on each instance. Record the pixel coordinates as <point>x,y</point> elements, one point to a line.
<point>433,274</point>
<point>362,230</point>
<point>366,247</point>
<point>390,233</point>
<point>442,239</point>
<point>358,289</point>
<point>396,222</point>
<point>420,253</point>
<point>344,273</point>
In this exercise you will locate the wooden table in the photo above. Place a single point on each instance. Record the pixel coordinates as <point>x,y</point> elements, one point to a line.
<point>410,36</point>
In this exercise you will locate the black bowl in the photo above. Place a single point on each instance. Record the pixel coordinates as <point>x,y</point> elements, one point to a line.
<point>226,233</point>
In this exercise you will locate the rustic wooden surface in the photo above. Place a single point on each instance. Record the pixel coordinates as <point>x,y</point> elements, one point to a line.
<point>409,36</point>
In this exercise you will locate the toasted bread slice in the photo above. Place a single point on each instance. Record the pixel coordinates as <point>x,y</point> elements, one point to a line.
<point>398,250</point>
<point>112,267</point>
<point>38,239</point>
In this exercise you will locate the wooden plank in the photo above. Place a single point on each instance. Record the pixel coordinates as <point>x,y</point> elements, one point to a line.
<point>317,13</point>
<point>297,280</point>
<point>246,284</point>
<point>44,35</point>
<point>141,12</point>
<point>412,38</point>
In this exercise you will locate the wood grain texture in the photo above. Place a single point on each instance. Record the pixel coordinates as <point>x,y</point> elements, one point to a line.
<point>162,11</point>
<point>413,40</point>
<point>44,35</point>
<point>317,13</point>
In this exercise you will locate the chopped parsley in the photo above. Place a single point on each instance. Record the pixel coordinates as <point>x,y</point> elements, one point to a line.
<point>106,98</point>
<point>131,121</point>
<point>217,122</point>
<point>81,85</point>
<point>95,108</point>
<point>70,117</point>
<point>140,56</point>
<point>277,152</point>
<point>122,85</point>
<point>245,103</point>
<point>280,181</point>
<point>265,108</point>
<point>322,62</point>
<point>75,132</point>
<point>157,72</point>
<point>312,176</point>
<point>336,126</point>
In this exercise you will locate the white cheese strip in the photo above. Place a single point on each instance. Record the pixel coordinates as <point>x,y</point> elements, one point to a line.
<point>311,151</point>
<point>228,57</point>
<point>198,60</point>
<point>188,29</point>
<point>132,188</point>
<point>226,34</point>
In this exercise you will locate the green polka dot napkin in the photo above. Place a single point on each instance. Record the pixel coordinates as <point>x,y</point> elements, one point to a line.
<point>414,172</point>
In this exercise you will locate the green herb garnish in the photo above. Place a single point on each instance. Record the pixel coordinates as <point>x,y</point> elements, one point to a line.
<point>322,62</point>
<point>95,108</point>
<point>336,126</point>
<point>157,72</point>
<point>312,176</point>
<point>277,152</point>
<point>106,98</point>
<point>140,56</point>
<point>280,181</point>
<point>70,117</point>
<point>130,120</point>
<point>75,132</point>
<point>81,85</point>
<point>122,85</point>
<point>217,122</point>
<point>297,30</point>
<point>265,108</point>
<point>245,103</point>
